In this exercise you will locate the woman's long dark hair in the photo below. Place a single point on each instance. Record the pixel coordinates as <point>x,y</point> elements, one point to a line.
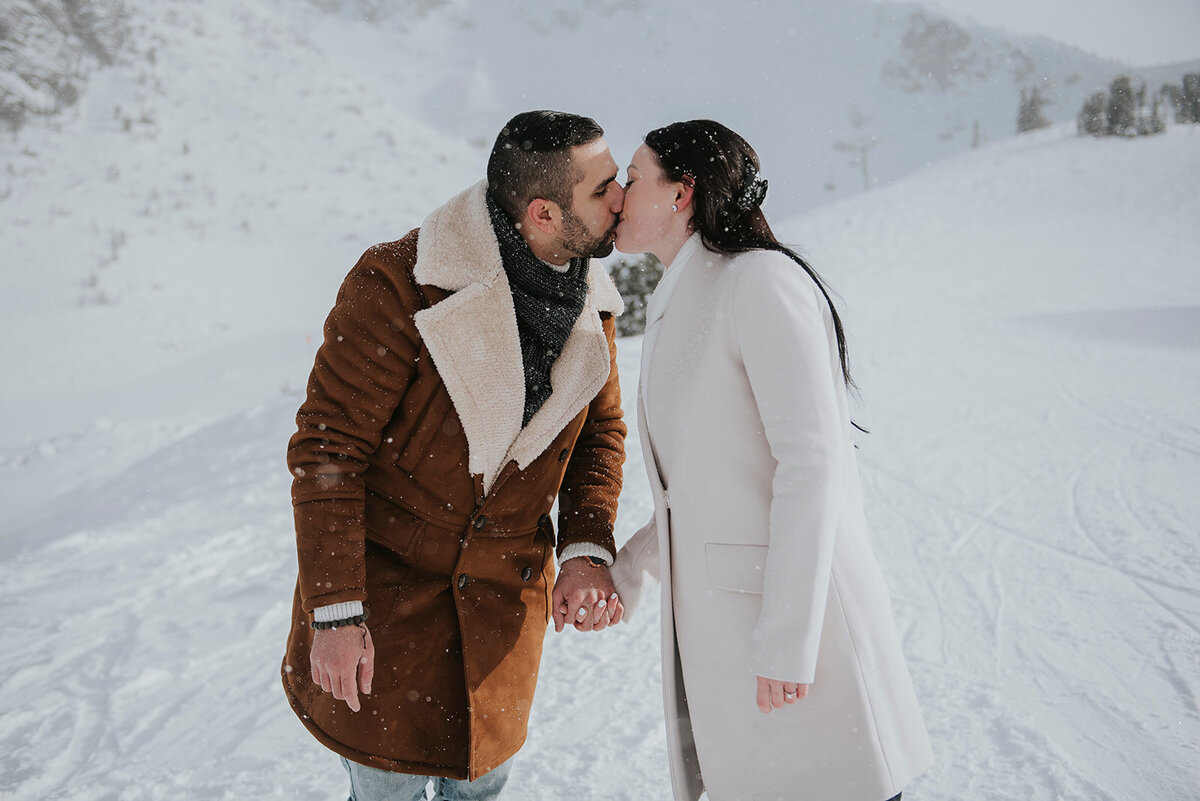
<point>724,169</point>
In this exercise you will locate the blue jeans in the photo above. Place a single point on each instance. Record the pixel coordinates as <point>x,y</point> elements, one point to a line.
<point>373,784</point>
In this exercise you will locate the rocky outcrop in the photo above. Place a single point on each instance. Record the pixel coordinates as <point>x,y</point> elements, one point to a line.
<point>47,49</point>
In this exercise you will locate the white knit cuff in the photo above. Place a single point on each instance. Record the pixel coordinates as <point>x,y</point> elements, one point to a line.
<point>342,611</point>
<point>585,549</point>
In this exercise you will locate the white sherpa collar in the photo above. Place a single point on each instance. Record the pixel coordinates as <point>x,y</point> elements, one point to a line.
<point>472,337</point>
<point>457,247</point>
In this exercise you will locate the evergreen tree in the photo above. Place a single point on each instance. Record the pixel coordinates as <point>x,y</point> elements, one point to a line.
<point>1092,119</point>
<point>635,279</point>
<point>1029,115</point>
<point>1121,111</point>
<point>1150,119</point>
<point>1125,111</point>
<point>1172,97</point>
<point>1190,99</point>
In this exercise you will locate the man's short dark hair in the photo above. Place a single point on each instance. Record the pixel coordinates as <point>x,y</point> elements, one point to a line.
<point>530,159</point>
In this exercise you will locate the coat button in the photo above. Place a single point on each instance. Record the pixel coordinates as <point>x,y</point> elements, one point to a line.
<point>462,580</point>
<point>527,574</point>
<point>562,457</point>
<point>480,522</point>
<point>544,520</point>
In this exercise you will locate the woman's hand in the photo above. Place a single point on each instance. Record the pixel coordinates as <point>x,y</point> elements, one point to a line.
<point>584,596</point>
<point>773,694</point>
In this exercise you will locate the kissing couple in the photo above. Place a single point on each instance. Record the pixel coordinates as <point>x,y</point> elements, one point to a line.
<point>467,382</point>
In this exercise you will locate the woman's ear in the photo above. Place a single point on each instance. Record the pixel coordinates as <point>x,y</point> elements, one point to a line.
<point>685,192</point>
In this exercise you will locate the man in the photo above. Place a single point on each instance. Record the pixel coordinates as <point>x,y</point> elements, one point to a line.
<point>467,379</point>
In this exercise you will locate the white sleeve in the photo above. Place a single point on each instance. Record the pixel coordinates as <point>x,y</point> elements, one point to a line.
<point>342,611</point>
<point>636,568</point>
<point>585,549</point>
<point>786,351</point>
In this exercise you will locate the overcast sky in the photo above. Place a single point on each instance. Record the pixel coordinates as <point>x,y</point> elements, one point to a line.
<point>1142,33</point>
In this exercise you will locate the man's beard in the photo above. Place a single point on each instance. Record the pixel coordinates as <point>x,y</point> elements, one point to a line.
<point>577,239</point>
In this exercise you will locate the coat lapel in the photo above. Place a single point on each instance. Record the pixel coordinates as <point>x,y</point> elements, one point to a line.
<point>472,337</point>
<point>656,309</point>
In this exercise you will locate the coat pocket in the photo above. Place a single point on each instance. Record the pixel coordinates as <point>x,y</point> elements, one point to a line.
<point>391,526</point>
<point>737,568</point>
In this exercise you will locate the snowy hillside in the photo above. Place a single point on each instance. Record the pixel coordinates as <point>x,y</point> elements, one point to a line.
<point>812,84</point>
<point>230,150</point>
<point>836,96</point>
<point>1024,322</point>
<point>47,51</point>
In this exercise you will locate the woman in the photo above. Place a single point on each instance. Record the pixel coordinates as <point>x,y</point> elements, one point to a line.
<point>772,601</point>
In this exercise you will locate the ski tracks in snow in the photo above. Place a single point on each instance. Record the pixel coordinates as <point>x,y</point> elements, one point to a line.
<point>1054,590</point>
<point>152,627</point>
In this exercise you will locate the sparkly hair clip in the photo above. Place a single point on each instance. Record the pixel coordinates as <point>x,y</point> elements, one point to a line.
<point>754,189</point>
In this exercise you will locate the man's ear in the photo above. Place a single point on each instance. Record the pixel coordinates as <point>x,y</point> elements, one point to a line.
<point>543,214</point>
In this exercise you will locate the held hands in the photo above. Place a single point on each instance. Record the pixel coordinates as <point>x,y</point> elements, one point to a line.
<point>774,694</point>
<point>343,662</point>
<point>585,597</point>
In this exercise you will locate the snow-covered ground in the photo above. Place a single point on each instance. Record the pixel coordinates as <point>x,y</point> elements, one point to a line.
<point>1024,324</point>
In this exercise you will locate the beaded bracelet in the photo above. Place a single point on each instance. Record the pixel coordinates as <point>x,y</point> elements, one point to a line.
<point>333,624</point>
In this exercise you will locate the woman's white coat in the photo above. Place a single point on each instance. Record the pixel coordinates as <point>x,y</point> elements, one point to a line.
<point>760,543</point>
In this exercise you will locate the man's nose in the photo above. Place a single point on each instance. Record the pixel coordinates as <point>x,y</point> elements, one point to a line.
<point>618,202</point>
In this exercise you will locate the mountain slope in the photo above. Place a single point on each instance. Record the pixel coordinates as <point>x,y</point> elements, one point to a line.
<point>227,149</point>
<point>1023,325</point>
<point>812,85</point>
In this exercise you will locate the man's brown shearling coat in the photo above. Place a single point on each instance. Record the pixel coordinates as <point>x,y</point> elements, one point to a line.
<point>417,491</point>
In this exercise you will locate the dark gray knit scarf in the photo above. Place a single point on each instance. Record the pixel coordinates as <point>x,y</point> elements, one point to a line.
<point>547,303</point>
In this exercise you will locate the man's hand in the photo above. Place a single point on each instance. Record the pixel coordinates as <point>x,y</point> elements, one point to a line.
<point>773,694</point>
<point>343,662</point>
<point>585,597</point>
